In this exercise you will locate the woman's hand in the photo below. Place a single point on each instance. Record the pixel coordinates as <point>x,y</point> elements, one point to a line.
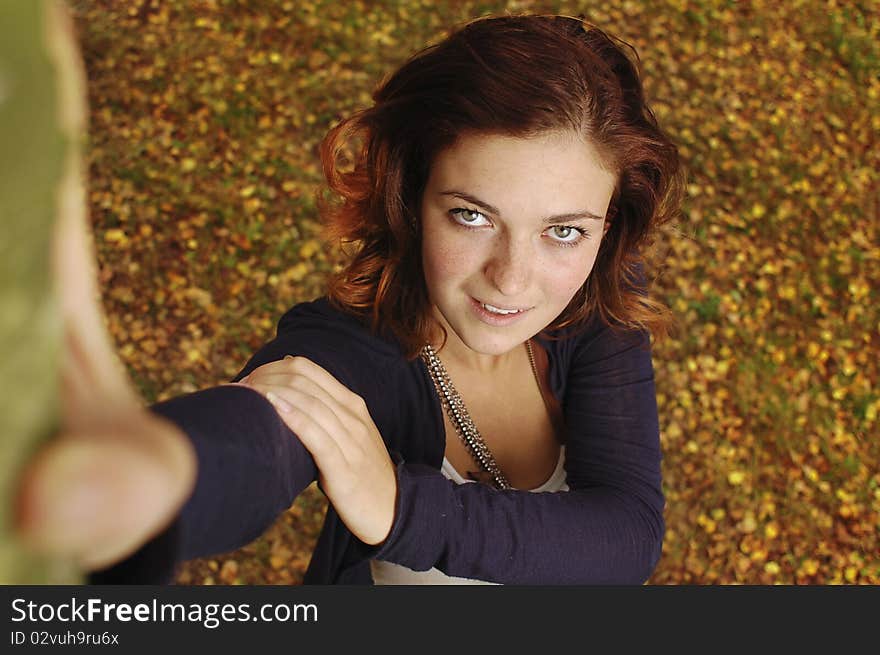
<point>334,424</point>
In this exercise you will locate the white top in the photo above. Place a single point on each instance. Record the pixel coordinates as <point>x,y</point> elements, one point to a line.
<point>388,573</point>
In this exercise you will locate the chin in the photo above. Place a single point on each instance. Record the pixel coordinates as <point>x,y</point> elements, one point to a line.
<point>495,347</point>
<point>499,342</point>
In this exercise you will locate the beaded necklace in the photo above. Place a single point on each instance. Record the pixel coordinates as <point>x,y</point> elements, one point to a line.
<point>461,419</point>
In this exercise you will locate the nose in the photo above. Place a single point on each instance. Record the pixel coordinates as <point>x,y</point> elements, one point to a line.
<point>509,267</point>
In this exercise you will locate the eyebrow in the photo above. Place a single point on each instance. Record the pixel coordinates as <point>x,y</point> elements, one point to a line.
<point>559,218</point>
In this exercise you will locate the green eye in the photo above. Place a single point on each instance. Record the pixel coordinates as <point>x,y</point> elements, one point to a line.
<point>467,216</point>
<point>563,231</point>
<point>567,235</point>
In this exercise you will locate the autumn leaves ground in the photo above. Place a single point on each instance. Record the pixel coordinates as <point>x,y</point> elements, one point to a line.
<point>205,117</point>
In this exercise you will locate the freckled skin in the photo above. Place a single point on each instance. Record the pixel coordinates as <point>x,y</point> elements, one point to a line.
<point>510,259</point>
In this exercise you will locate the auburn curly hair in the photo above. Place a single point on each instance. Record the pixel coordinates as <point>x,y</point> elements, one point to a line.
<point>513,75</point>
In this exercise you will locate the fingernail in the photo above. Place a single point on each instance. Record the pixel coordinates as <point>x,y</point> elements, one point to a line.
<point>279,403</point>
<point>288,357</point>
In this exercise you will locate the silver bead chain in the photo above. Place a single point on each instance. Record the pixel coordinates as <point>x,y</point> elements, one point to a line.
<point>461,419</point>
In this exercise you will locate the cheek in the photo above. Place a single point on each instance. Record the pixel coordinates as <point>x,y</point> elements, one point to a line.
<point>571,283</point>
<point>565,278</point>
<point>443,260</point>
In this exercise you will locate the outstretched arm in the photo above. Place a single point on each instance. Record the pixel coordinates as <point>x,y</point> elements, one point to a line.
<point>250,468</point>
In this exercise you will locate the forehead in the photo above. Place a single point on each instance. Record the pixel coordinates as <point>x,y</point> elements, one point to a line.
<point>555,171</point>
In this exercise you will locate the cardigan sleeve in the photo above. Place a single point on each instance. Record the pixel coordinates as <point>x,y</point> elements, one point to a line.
<point>250,465</point>
<point>607,529</point>
<point>250,468</point>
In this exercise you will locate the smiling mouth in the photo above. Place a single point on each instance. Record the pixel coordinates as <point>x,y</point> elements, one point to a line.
<point>501,311</point>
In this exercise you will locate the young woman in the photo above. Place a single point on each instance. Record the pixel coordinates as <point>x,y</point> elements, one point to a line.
<point>475,394</point>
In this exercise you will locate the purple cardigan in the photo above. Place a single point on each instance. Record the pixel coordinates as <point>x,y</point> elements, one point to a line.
<point>607,529</point>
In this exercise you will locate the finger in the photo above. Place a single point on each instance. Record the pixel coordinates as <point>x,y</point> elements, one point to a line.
<point>96,497</point>
<point>312,430</point>
<point>265,381</point>
<point>350,430</point>
<point>275,366</point>
<point>274,372</point>
<point>261,376</point>
<point>278,382</point>
<point>280,368</point>
<point>302,366</point>
<point>354,416</point>
<point>293,404</point>
<point>323,378</point>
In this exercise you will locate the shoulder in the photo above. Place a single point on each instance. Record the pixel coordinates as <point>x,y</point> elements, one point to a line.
<point>371,365</point>
<point>333,323</point>
<point>334,339</point>
<point>577,353</point>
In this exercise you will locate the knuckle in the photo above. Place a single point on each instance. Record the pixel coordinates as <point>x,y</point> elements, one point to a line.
<point>298,363</point>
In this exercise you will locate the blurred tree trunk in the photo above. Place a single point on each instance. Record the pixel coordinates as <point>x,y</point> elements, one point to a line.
<point>41,118</point>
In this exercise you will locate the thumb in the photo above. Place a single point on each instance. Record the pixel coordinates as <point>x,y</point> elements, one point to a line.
<point>96,497</point>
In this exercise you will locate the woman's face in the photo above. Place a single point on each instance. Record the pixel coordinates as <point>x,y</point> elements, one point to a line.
<point>511,229</point>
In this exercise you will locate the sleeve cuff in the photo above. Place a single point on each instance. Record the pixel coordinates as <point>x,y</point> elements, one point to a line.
<point>153,564</point>
<point>418,535</point>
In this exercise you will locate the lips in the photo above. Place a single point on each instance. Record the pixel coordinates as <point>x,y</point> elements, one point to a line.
<point>500,310</point>
<point>490,306</point>
<point>497,315</point>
